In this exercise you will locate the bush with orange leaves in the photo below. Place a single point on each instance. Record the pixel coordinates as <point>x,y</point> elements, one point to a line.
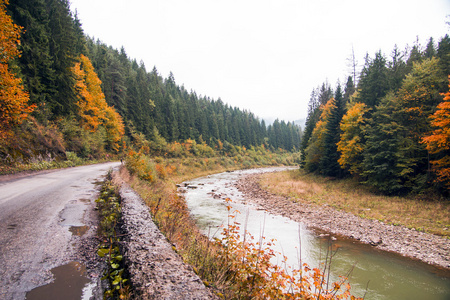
<point>233,268</point>
<point>256,277</point>
<point>142,166</point>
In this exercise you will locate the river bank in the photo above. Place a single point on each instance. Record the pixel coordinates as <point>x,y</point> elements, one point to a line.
<point>429,248</point>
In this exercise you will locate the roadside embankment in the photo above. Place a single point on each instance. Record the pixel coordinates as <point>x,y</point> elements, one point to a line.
<point>156,270</point>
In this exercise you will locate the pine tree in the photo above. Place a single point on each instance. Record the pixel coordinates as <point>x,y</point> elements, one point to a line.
<point>418,98</point>
<point>311,121</point>
<point>329,165</point>
<point>63,46</point>
<point>397,69</point>
<point>415,56</point>
<point>35,62</point>
<point>383,166</point>
<point>373,83</point>
<point>443,53</point>
<point>350,89</point>
<point>430,50</point>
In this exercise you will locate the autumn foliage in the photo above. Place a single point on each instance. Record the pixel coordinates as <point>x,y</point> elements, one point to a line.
<point>257,277</point>
<point>438,142</point>
<point>14,106</point>
<point>351,145</point>
<point>93,110</point>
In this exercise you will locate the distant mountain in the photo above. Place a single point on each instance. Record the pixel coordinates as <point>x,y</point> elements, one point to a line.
<point>301,122</point>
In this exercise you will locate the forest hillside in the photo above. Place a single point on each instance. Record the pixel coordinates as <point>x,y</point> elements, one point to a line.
<point>68,96</point>
<point>391,130</point>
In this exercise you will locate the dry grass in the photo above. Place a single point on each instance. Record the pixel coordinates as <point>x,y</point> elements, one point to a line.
<point>170,214</point>
<point>431,215</point>
<point>231,267</point>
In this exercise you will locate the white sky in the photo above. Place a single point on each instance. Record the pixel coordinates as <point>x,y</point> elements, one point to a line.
<point>263,56</point>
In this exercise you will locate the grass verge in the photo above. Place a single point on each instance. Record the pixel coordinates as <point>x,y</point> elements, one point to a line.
<point>72,160</point>
<point>430,214</point>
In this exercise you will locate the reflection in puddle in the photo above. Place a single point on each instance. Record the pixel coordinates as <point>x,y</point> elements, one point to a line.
<point>69,282</point>
<point>79,230</point>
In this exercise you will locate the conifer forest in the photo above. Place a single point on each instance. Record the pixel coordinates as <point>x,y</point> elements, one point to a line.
<point>65,95</point>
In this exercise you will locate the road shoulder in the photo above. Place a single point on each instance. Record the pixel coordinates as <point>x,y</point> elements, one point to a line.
<point>156,270</point>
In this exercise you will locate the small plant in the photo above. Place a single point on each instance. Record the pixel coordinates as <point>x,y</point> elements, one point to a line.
<point>256,277</point>
<point>108,205</point>
<point>232,268</point>
<point>114,274</point>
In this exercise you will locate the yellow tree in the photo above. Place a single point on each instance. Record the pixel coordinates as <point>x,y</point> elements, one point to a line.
<point>351,144</point>
<point>438,142</point>
<point>91,100</point>
<point>92,106</point>
<point>316,148</point>
<point>14,106</point>
<point>114,128</point>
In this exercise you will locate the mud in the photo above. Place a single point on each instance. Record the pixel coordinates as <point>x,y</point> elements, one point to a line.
<point>429,248</point>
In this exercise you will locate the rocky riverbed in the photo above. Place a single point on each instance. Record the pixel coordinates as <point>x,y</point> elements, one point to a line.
<point>426,247</point>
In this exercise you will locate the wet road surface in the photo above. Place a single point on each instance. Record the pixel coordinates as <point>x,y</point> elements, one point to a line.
<point>39,219</point>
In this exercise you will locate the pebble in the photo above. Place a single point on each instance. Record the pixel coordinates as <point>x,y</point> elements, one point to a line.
<point>429,248</point>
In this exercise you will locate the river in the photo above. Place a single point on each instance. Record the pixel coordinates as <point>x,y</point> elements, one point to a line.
<point>378,274</point>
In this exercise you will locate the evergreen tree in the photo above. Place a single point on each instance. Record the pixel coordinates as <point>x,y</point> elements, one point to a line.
<point>329,165</point>
<point>383,166</point>
<point>63,46</point>
<point>415,56</point>
<point>311,120</point>
<point>373,83</point>
<point>418,98</point>
<point>397,69</point>
<point>35,62</point>
<point>443,53</point>
<point>350,89</point>
<point>430,50</point>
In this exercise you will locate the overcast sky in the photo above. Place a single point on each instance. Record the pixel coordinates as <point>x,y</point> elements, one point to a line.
<point>263,56</point>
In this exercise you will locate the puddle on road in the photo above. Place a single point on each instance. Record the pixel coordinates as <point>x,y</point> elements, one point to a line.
<point>69,282</point>
<point>85,201</point>
<point>11,226</point>
<point>79,230</point>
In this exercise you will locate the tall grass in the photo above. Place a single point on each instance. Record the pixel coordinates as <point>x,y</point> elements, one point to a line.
<point>233,268</point>
<point>430,213</point>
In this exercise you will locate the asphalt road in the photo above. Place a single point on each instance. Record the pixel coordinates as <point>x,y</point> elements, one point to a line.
<point>37,214</point>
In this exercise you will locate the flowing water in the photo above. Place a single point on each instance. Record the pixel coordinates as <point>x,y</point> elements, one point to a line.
<point>378,274</point>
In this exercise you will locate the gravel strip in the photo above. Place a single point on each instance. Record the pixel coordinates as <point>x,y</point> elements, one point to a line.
<point>156,270</point>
